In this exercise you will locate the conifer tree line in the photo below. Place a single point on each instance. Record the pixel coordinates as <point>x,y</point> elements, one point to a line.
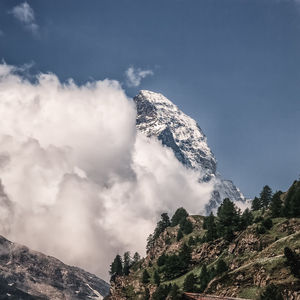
<point>121,266</point>
<point>173,265</point>
<point>229,220</point>
<point>180,218</point>
<point>289,207</point>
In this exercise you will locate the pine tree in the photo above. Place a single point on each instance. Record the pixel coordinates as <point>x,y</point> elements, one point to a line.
<point>161,292</point>
<point>265,196</point>
<point>150,242</point>
<point>189,283</point>
<point>292,201</point>
<point>221,267</point>
<point>175,293</point>
<point>161,225</point>
<point>126,263</point>
<point>172,267</point>
<point>212,273</point>
<point>228,219</point>
<point>186,226</point>
<point>161,260</point>
<point>256,205</point>
<point>296,203</point>
<point>165,220</point>
<point>293,261</point>
<point>179,215</point>
<point>185,256</point>
<point>276,205</point>
<point>145,277</point>
<point>136,258</point>
<point>267,223</point>
<point>156,278</point>
<point>203,278</point>
<point>116,268</point>
<point>228,234</point>
<point>211,227</point>
<point>246,219</point>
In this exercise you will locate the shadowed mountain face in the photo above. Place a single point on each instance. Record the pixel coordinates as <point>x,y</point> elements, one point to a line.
<point>27,274</point>
<point>159,117</point>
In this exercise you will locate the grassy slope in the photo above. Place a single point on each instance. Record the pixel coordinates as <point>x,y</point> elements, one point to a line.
<point>270,258</point>
<point>244,265</point>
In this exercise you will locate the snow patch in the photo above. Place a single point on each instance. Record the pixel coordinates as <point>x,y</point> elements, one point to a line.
<point>98,295</point>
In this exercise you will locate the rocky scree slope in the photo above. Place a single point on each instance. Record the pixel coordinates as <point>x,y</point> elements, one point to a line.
<point>158,117</point>
<point>27,274</point>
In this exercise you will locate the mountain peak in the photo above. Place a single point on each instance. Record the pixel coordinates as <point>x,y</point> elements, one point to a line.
<point>158,117</point>
<point>154,97</point>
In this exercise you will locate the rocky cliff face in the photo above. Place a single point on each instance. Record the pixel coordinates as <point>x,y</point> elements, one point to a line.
<point>27,274</point>
<point>159,117</point>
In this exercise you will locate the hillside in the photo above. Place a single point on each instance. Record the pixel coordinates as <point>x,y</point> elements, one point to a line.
<point>28,274</point>
<point>242,263</point>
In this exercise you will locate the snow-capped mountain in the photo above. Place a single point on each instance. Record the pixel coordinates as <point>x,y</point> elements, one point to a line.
<point>158,116</point>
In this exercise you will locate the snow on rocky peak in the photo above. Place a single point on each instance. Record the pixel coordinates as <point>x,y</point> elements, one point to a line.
<point>158,116</point>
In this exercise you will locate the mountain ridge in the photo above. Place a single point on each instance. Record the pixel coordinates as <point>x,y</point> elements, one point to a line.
<point>157,116</point>
<point>29,274</point>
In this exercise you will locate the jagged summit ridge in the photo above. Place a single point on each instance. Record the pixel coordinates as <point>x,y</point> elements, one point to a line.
<point>157,116</point>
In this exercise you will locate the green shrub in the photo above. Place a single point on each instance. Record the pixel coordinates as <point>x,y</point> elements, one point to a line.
<point>175,293</point>
<point>260,229</point>
<point>179,215</point>
<point>258,219</point>
<point>161,292</point>
<point>267,223</point>
<point>145,277</point>
<point>186,226</point>
<point>161,260</point>
<point>221,267</point>
<point>271,292</point>
<point>189,283</point>
<point>179,235</point>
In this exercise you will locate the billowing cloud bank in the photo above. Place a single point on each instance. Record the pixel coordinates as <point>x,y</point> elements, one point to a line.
<point>81,183</point>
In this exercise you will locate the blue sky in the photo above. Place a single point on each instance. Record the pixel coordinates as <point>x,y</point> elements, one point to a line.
<point>233,65</point>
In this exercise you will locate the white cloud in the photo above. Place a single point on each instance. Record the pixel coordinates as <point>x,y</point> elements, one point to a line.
<point>134,76</point>
<point>25,14</point>
<point>82,183</point>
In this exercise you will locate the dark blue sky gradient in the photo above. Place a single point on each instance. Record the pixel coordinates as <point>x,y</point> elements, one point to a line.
<point>232,65</point>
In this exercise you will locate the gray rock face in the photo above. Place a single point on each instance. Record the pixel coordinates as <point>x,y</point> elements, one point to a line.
<point>27,274</point>
<point>158,116</point>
